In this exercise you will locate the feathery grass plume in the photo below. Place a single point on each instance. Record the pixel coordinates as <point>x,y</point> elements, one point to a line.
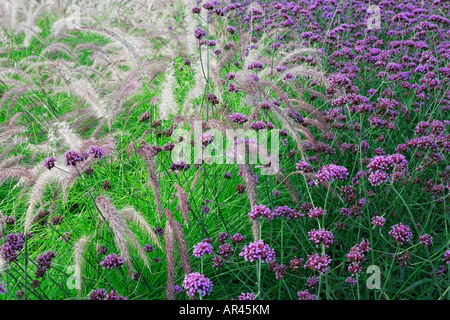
<point>304,106</point>
<point>191,24</point>
<point>122,233</point>
<point>233,50</point>
<point>37,191</point>
<point>83,89</point>
<point>181,243</point>
<point>79,248</point>
<point>30,27</point>
<point>183,203</point>
<point>117,225</point>
<point>254,115</point>
<point>284,180</point>
<point>13,94</point>
<point>3,265</point>
<point>10,132</point>
<point>168,105</point>
<point>311,92</point>
<point>11,161</point>
<point>130,214</point>
<point>152,178</point>
<point>9,13</point>
<point>133,82</point>
<point>288,57</point>
<point>24,175</point>
<point>69,137</point>
<point>169,246</point>
<point>60,47</point>
<point>2,233</point>
<point>310,73</point>
<point>15,71</point>
<point>197,90</point>
<point>288,124</point>
<point>252,196</point>
<point>318,124</point>
<point>196,178</point>
<point>115,35</point>
<point>13,143</point>
<point>217,125</point>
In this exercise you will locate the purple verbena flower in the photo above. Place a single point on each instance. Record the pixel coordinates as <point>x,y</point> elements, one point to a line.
<point>197,283</point>
<point>257,250</point>
<point>112,261</point>
<point>49,162</point>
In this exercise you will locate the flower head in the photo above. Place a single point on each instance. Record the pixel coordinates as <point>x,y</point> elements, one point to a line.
<point>202,248</point>
<point>258,250</point>
<point>196,282</point>
<point>401,233</point>
<point>112,261</point>
<point>49,162</point>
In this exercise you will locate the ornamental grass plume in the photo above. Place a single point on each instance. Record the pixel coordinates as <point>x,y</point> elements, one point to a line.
<point>183,203</point>
<point>181,243</point>
<point>169,239</point>
<point>123,236</point>
<point>79,249</point>
<point>152,178</point>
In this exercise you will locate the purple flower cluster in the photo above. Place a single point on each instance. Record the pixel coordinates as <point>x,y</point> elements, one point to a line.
<point>199,33</point>
<point>12,245</point>
<point>149,248</point>
<point>114,295</point>
<point>207,138</point>
<point>304,166</point>
<point>49,162</point>
<point>379,166</point>
<point>97,294</point>
<point>202,248</point>
<point>401,233</point>
<point>426,240</point>
<point>73,157</point>
<point>197,283</point>
<point>238,118</point>
<point>378,221</point>
<point>237,238</point>
<point>112,261</point>
<point>247,296</point>
<point>261,211</point>
<point>44,262</point>
<point>180,165</point>
<point>321,236</point>
<point>332,172</point>
<point>97,151</point>
<point>257,250</point>
<point>316,213</point>
<point>318,263</point>
<point>256,65</point>
<point>356,256</point>
<point>305,295</point>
